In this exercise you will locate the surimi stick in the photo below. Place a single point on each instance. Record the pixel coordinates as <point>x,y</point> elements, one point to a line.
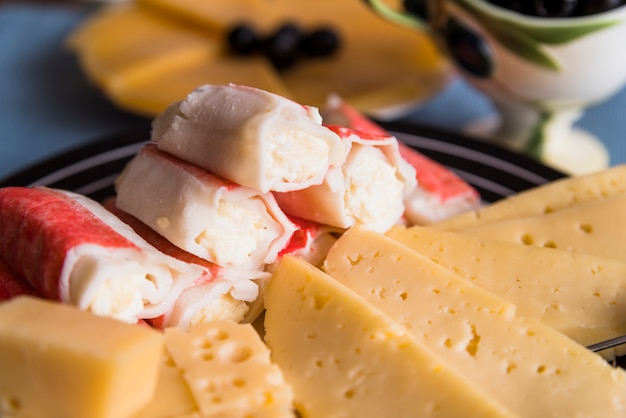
<point>220,293</point>
<point>250,136</point>
<point>73,250</point>
<point>11,284</point>
<point>440,193</point>
<point>368,189</point>
<point>205,215</point>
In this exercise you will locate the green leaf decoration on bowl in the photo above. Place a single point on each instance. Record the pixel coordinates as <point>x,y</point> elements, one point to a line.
<point>527,40</point>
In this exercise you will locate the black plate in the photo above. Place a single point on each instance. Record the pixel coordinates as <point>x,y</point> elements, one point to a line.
<point>494,171</point>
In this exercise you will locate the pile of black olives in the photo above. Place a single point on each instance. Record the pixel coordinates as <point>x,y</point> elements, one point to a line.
<point>286,45</point>
<point>559,8</point>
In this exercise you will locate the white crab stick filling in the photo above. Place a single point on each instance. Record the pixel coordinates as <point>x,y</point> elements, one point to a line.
<point>127,284</point>
<point>227,224</point>
<point>251,137</point>
<point>367,190</point>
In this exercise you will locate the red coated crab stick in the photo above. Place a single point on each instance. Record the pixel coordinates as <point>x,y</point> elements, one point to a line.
<point>369,188</point>
<point>220,293</point>
<point>439,194</point>
<point>71,249</point>
<point>11,284</point>
<point>201,213</point>
<point>249,136</point>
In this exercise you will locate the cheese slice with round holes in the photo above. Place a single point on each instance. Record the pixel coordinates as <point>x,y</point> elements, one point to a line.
<point>345,358</point>
<point>228,370</point>
<point>544,199</point>
<point>527,366</point>
<point>596,227</point>
<point>581,295</point>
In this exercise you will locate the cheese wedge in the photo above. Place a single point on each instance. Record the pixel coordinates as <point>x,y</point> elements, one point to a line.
<point>228,370</point>
<point>547,198</point>
<point>345,358</point>
<point>58,361</point>
<point>581,295</point>
<point>527,366</point>
<point>596,227</point>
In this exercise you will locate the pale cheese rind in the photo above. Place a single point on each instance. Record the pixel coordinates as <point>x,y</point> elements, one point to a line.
<point>581,295</point>
<point>529,367</point>
<point>596,227</point>
<point>60,362</point>
<point>228,370</point>
<point>345,358</point>
<point>550,197</point>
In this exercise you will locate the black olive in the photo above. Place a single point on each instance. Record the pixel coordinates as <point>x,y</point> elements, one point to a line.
<point>320,42</point>
<point>555,8</point>
<point>283,46</point>
<point>416,7</point>
<point>468,49</point>
<point>243,39</point>
<point>519,6</point>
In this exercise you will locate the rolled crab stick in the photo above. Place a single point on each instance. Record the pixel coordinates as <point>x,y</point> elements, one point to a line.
<point>217,220</point>
<point>368,189</point>
<point>71,249</point>
<point>220,293</point>
<point>440,193</point>
<point>311,241</point>
<point>11,284</point>
<point>250,136</point>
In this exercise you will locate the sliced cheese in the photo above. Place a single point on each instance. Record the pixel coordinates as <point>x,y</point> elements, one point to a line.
<point>172,397</point>
<point>57,361</point>
<point>345,358</point>
<point>596,227</point>
<point>228,370</point>
<point>547,198</point>
<point>522,363</point>
<point>581,295</point>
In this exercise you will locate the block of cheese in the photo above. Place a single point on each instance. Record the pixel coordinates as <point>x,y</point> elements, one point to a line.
<point>581,295</point>
<point>596,227</point>
<point>345,358</point>
<point>550,197</point>
<point>172,397</point>
<point>228,370</point>
<point>60,362</point>
<point>524,364</point>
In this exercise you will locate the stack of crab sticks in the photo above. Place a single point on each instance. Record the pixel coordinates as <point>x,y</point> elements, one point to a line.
<point>232,179</point>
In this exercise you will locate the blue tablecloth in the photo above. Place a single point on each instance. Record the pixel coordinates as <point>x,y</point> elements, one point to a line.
<point>47,107</point>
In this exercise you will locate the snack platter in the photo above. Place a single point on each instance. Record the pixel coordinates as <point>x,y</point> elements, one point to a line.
<point>494,171</point>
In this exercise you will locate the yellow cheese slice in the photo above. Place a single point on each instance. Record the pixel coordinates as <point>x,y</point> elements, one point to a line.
<point>581,295</point>
<point>228,370</point>
<point>553,196</point>
<point>529,367</point>
<point>59,361</point>
<point>172,397</point>
<point>345,358</point>
<point>137,44</point>
<point>597,227</point>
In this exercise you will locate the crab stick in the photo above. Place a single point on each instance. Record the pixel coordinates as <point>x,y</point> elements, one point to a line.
<point>440,193</point>
<point>71,249</point>
<point>368,189</point>
<point>11,284</point>
<point>203,214</point>
<point>250,136</point>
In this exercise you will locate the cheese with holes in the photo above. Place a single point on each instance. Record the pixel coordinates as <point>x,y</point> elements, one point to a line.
<point>229,372</point>
<point>172,397</point>
<point>60,362</point>
<point>547,198</point>
<point>581,295</point>
<point>345,358</point>
<point>596,227</point>
<point>524,364</point>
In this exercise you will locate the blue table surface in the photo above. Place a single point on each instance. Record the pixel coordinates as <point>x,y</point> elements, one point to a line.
<point>47,107</point>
